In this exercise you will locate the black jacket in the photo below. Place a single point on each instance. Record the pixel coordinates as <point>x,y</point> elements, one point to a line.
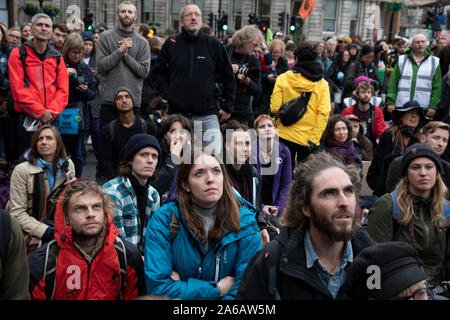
<point>186,71</point>
<point>294,280</point>
<point>356,69</point>
<point>242,105</point>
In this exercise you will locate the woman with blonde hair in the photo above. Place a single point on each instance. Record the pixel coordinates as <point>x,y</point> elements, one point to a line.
<point>415,211</point>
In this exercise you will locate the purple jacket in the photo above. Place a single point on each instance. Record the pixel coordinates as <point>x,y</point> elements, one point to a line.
<point>283,176</point>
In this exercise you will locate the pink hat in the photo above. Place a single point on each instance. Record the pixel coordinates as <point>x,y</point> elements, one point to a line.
<point>361,78</point>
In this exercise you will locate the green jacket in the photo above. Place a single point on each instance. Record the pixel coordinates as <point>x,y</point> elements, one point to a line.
<point>436,91</point>
<point>427,240</point>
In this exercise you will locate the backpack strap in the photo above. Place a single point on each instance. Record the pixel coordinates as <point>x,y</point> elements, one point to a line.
<point>272,256</point>
<point>123,265</point>
<point>111,129</point>
<point>38,196</point>
<point>144,125</point>
<point>51,258</point>
<point>23,56</point>
<point>174,228</point>
<point>5,236</point>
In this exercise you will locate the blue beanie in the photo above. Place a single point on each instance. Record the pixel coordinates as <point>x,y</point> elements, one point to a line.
<point>138,142</point>
<point>87,36</point>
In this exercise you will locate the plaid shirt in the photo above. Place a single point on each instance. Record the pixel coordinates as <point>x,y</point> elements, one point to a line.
<point>126,215</point>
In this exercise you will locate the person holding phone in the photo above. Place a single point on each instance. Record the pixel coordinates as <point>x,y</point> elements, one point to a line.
<point>81,90</point>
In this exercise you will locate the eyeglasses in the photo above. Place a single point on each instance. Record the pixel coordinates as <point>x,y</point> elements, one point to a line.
<point>340,41</point>
<point>420,294</point>
<point>190,14</point>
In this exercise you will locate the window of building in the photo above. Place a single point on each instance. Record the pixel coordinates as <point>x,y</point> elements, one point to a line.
<point>199,4</point>
<point>175,13</point>
<point>264,11</point>
<point>237,14</point>
<point>146,6</point>
<point>329,15</point>
<point>4,12</point>
<point>354,18</point>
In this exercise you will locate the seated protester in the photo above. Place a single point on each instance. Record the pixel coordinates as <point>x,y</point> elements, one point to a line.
<point>82,88</point>
<point>335,77</point>
<point>204,257</point>
<point>87,260</point>
<point>318,242</point>
<point>337,141</point>
<point>370,115</point>
<point>244,176</point>
<point>115,134</point>
<point>176,130</point>
<point>362,67</point>
<point>401,274</point>
<point>404,131</point>
<point>273,161</point>
<point>136,200</point>
<point>435,134</point>
<point>414,211</point>
<point>363,145</point>
<point>36,185</point>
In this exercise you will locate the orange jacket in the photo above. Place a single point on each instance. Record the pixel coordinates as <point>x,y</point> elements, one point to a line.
<point>76,279</point>
<point>48,90</point>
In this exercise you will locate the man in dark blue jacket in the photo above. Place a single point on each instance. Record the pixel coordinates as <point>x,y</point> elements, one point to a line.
<point>185,74</point>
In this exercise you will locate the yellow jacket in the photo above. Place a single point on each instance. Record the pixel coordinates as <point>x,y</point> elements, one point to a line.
<point>310,127</point>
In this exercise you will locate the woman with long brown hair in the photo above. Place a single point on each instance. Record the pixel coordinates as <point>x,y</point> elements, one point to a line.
<point>415,211</point>
<point>198,246</point>
<point>37,183</point>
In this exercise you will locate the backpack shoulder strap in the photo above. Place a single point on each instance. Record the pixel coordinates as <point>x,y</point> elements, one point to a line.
<point>272,256</point>
<point>446,208</point>
<point>51,258</point>
<point>396,215</point>
<point>123,265</point>
<point>174,228</point>
<point>38,196</point>
<point>5,236</point>
<point>23,56</point>
<point>111,128</point>
<point>144,125</point>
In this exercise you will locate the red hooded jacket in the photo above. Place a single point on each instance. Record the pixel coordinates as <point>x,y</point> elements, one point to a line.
<point>48,90</point>
<point>378,123</point>
<point>76,279</point>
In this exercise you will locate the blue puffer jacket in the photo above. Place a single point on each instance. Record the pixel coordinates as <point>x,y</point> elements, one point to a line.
<point>199,270</point>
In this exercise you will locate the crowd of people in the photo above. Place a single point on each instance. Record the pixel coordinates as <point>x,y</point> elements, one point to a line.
<point>225,170</point>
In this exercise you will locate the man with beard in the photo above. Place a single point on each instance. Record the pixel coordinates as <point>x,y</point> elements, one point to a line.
<point>123,56</point>
<point>60,32</point>
<point>310,257</point>
<point>370,115</point>
<point>87,260</point>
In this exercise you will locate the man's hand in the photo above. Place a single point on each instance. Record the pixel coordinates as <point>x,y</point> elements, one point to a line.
<point>128,42</point>
<point>123,47</point>
<point>223,116</point>
<point>390,107</point>
<point>82,88</point>
<point>235,68</point>
<point>46,117</point>
<point>431,113</point>
<point>175,276</point>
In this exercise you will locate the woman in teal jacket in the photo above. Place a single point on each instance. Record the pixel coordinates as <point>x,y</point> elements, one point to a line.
<point>198,246</point>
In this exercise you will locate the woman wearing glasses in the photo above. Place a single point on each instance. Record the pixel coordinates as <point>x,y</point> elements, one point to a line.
<point>415,212</point>
<point>81,89</point>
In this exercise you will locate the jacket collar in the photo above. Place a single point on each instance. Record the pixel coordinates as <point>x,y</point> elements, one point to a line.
<point>49,53</point>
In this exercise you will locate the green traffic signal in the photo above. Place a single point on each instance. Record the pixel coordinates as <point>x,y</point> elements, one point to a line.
<point>292,28</point>
<point>89,28</point>
<point>225,27</point>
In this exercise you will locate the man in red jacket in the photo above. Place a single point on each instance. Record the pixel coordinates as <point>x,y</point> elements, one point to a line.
<point>370,115</point>
<point>87,260</point>
<point>38,77</point>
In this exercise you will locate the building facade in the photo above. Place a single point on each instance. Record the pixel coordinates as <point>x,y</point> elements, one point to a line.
<point>368,19</point>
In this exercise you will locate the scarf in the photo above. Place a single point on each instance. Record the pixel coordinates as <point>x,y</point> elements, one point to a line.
<point>48,169</point>
<point>141,196</point>
<point>311,70</point>
<point>240,180</point>
<point>343,151</point>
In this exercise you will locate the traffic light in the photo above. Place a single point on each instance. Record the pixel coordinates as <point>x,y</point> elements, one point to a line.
<point>88,21</point>
<point>224,23</point>
<point>254,19</point>
<point>292,24</point>
<point>211,19</point>
<point>429,21</point>
<point>436,24</point>
<point>281,19</point>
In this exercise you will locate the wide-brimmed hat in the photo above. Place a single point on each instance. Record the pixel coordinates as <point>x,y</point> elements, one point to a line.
<point>410,105</point>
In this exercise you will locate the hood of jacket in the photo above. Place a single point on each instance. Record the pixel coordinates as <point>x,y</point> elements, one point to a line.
<point>63,232</point>
<point>49,53</point>
<point>410,53</point>
<point>300,83</point>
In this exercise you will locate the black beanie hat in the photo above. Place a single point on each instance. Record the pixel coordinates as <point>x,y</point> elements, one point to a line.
<point>399,265</point>
<point>123,89</point>
<point>138,142</point>
<point>418,150</point>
